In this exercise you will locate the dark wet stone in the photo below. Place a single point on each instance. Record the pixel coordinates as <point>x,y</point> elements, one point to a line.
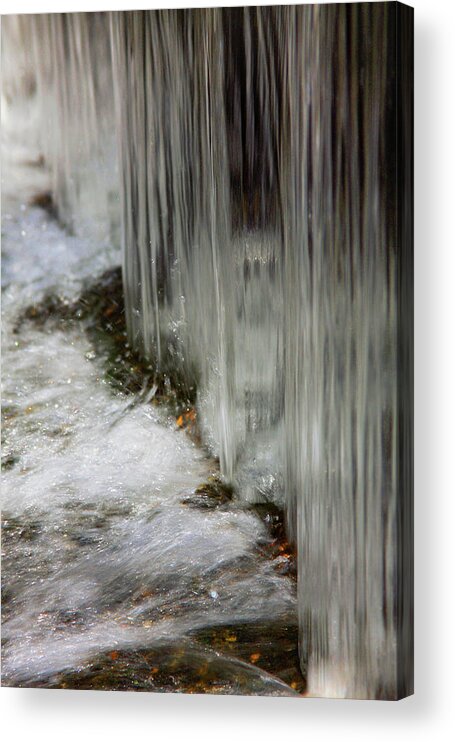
<point>285,565</point>
<point>72,618</point>
<point>100,310</point>
<point>167,668</point>
<point>210,495</point>
<point>116,510</point>
<point>282,553</point>
<point>7,595</point>
<point>9,461</point>
<point>79,505</point>
<point>272,516</point>
<point>271,646</point>
<point>9,412</point>
<point>44,200</point>
<point>83,539</point>
<point>14,529</point>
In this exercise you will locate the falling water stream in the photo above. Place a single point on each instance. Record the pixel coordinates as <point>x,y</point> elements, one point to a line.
<point>243,160</point>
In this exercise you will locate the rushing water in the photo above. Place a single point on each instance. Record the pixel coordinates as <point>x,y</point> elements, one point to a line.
<point>100,550</point>
<point>255,155</point>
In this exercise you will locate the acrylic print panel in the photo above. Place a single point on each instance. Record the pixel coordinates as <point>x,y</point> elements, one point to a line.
<point>207,338</point>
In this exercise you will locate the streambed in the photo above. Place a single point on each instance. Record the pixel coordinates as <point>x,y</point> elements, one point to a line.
<point>120,569</point>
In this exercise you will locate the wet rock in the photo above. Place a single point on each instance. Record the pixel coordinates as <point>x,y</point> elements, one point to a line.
<point>279,550</point>
<point>285,565</point>
<point>9,461</point>
<point>272,516</point>
<point>44,200</point>
<point>15,529</point>
<point>168,668</point>
<point>100,310</point>
<point>9,412</point>
<point>271,646</point>
<point>210,495</point>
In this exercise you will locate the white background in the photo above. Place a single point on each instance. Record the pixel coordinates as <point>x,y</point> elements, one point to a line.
<point>83,715</point>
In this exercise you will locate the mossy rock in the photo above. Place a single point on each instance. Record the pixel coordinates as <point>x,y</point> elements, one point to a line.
<point>211,495</point>
<point>100,311</point>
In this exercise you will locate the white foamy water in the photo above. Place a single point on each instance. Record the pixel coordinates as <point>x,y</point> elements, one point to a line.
<point>249,168</point>
<point>99,551</point>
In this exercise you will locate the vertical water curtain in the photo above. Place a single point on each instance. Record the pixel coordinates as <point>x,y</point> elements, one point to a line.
<point>249,157</point>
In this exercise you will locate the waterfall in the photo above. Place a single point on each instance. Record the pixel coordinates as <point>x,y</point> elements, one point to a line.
<point>65,61</point>
<point>249,157</point>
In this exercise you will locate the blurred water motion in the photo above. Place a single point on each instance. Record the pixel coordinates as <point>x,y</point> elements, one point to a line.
<point>255,152</point>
